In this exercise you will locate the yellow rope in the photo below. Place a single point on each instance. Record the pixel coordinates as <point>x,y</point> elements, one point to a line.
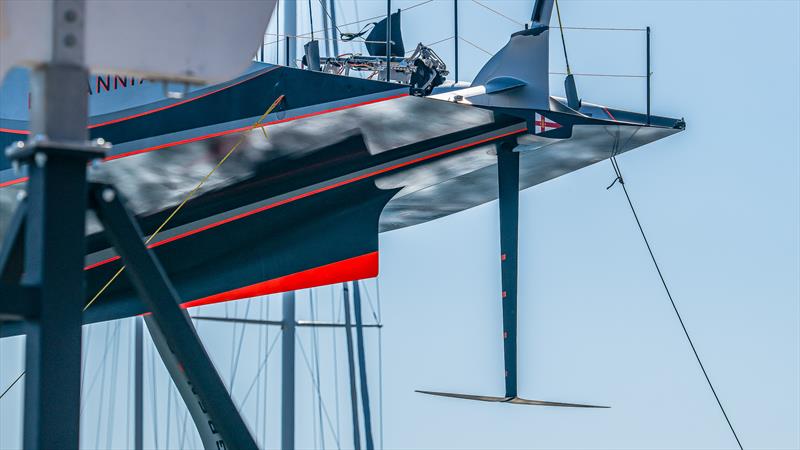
<point>563,42</point>
<point>191,194</point>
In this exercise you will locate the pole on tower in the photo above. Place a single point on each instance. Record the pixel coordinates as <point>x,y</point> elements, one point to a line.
<point>335,29</point>
<point>351,368</point>
<point>648,75</point>
<point>362,366</point>
<point>54,249</point>
<point>455,38</point>
<point>290,30</point>
<point>287,367</point>
<point>138,385</point>
<point>388,39</point>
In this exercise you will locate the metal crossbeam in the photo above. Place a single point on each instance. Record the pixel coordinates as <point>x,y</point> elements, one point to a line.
<point>298,323</point>
<point>158,295</point>
<point>11,250</point>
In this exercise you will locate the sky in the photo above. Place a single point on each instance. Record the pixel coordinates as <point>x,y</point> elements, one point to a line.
<point>720,203</point>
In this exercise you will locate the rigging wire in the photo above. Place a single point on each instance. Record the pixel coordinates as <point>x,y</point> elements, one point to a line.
<point>380,359</point>
<point>619,178</point>
<point>334,319</point>
<point>233,340</point>
<point>499,13</point>
<point>130,384</point>
<point>476,46</point>
<point>313,395</point>
<point>371,307</point>
<point>563,41</point>
<point>266,380</point>
<point>192,193</point>
<point>154,390</point>
<point>112,389</point>
<point>196,435</point>
<point>185,417</point>
<point>241,340</point>
<point>432,44</point>
<point>357,22</point>
<point>325,10</point>
<point>102,390</point>
<point>12,384</point>
<point>94,378</point>
<point>319,395</point>
<point>258,383</point>
<point>562,27</point>
<point>258,373</point>
<point>168,431</point>
<point>610,75</point>
<point>315,350</point>
<point>84,355</point>
<point>606,29</point>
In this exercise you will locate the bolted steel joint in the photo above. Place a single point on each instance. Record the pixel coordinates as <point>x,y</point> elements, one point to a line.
<point>40,158</point>
<point>108,195</point>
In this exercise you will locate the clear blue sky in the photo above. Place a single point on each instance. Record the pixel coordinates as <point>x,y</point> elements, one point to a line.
<point>720,202</point>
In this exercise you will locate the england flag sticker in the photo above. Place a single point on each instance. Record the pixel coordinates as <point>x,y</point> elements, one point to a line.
<point>543,124</point>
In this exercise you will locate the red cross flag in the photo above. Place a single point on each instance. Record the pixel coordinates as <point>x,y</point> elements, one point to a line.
<point>543,124</point>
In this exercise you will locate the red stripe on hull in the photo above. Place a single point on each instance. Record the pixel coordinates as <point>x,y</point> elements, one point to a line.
<point>249,128</point>
<point>314,192</point>
<point>182,102</point>
<point>212,135</point>
<point>9,130</point>
<point>357,268</point>
<point>11,182</point>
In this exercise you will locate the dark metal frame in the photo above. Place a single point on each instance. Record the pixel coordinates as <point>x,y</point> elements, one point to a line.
<point>158,295</point>
<point>50,297</point>
<point>289,326</point>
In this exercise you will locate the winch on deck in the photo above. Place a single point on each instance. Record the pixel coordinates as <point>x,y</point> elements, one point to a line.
<point>422,71</point>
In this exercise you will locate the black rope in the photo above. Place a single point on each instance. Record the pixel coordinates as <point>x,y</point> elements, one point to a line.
<point>618,174</point>
<point>325,10</point>
<point>350,36</point>
<point>12,385</point>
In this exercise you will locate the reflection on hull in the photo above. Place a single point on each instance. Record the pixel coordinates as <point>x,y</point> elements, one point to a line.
<point>335,165</point>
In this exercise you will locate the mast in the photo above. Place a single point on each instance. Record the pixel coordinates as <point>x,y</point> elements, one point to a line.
<point>290,30</point>
<point>351,368</point>
<point>326,30</point>
<point>648,75</point>
<point>388,39</point>
<point>287,367</point>
<point>455,34</point>
<point>335,29</point>
<point>138,385</point>
<point>289,324</point>
<point>362,365</point>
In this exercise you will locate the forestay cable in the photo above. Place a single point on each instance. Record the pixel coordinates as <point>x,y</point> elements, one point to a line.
<point>619,178</point>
